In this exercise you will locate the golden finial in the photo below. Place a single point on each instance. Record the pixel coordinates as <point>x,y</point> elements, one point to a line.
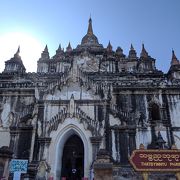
<point>141,146</point>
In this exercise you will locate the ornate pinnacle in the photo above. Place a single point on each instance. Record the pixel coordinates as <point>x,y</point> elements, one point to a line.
<point>69,48</point>
<point>141,146</point>
<point>144,52</point>
<point>109,47</point>
<point>132,52</point>
<point>174,60</point>
<point>59,48</point>
<point>17,53</point>
<point>45,53</point>
<point>131,48</point>
<point>18,50</point>
<point>90,29</point>
<point>46,48</point>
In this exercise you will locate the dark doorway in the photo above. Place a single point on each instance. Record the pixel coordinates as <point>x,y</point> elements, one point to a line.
<point>155,113</point>
<point>73,159</point>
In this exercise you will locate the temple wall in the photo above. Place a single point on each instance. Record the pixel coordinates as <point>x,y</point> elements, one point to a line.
<point>174,109</point>
<point>177,139</point>
<point>143,136</point>
<point>66,92</point>
<point>4,137</point>
<point>50,111</point>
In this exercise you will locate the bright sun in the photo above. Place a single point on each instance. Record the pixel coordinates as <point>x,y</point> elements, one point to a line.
<point>30,49</point>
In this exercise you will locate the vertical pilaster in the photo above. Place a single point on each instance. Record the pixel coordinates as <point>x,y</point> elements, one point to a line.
<point>41,116</point>
<point>41,128</point>
<point>95,141</point>
<point>123,143</point>
<point>132,140</point>
<point>32,143</point>
<point>108,133</point>
<point>44,146</point>
<point>14,133</point>
<point>170,133</point>
<point>117,144</point>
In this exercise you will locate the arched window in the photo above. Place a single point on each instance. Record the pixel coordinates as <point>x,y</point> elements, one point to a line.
<point>155,114</point>
<point>154,117</point>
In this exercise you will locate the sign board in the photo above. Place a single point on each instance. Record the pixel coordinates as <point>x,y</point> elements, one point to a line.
<point>156,160</point>
<point>18,165</point>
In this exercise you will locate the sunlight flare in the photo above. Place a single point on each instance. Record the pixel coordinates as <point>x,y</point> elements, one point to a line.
<point>30,49</point>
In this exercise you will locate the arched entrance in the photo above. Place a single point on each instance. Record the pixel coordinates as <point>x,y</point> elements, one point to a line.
<point>73,158</point>
<point>69,128</point>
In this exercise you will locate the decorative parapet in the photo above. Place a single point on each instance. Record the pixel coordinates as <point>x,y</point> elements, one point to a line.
<point>16,85</point>
<point>88,123</point>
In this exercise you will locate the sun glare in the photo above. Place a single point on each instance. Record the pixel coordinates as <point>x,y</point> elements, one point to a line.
<point>30,49</point>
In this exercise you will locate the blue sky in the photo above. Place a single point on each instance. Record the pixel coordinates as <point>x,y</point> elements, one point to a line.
<point>155,23</point>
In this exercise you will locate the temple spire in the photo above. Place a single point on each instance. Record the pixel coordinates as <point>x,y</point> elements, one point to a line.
<point>109,47</point>
<point>69,48</point>
<point>46,48</point>
<point>18,50</point>
<point>90,39</point>
<point>174,60</point>
<point>131,48</point>
<point>45,54</point>
<point>132,53</point>
<point>119,51</point>
<point>59,48</point>
<point>15,64</point>
<point>90,29</point>
<point>17,53</point>
<point>144,53</point>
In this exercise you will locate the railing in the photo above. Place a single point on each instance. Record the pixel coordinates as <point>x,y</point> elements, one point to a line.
<point>88,122</point>
<point>59,82</point>
<point>124,116</point>
<point>16,85</point>
<point>52,125</point>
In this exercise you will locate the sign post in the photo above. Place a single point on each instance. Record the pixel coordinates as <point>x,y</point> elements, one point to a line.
<point>154,160</point>
<point>18,166</point>
<point>145,175</point>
